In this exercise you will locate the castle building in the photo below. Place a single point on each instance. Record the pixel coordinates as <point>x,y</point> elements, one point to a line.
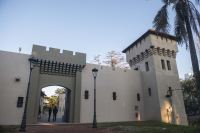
<point>149,91</point>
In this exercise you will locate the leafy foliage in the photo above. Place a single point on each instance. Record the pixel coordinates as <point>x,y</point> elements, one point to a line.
<point>161,20</point>
<point>189,93</point>
<point>52,101</point>
<point>60,91</point>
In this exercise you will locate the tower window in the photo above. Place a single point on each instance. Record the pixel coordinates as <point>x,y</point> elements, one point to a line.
<point>168,65</point>
<point>138,97</point>
<point>114,96</point>
<point>86,94</point>
<point>149,91</point>
<point>20,101</point>
<point>136,108</point>
<point>163,64</point>
<point>147,66</point>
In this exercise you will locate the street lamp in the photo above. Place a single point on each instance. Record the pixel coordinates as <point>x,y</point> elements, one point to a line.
<point>23,124</point>
<point>94,71</point>
<point>169,94</point>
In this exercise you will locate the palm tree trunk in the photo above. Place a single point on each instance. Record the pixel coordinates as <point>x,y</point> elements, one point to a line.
<point>193,55</point>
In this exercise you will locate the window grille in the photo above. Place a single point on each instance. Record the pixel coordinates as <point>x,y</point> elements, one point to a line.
<point>86,94</point>
<point>138,97</point>
<point>163,64</point>
<point>168,65</point>
<point>20,101</point>
<point>114,96</point>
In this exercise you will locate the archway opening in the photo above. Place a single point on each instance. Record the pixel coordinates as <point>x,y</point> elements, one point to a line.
<point>52,97</point>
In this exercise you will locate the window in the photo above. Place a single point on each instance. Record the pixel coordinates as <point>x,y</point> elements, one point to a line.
<point>147,66</point>
<point>20,101</point>
<point>114,96</point>
<point>170,91</point>
<point>149,91</point>
<point>86,94</point>
<point>168,65</point>
<point>136,108</point>
<point>138,97</point>
<point>163,64</point>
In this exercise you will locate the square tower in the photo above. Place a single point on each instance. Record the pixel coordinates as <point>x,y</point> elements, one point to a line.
<point>154,54</point>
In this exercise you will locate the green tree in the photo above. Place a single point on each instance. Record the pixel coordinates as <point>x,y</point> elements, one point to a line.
<point>51,101</point>
<point>60,91</point>
<point>187,16</point>
<point>189,93</point>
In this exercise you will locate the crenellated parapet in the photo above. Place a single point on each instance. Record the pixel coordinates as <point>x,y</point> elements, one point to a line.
<point>151,43</point>
<point>152,51</point>
<point>55,63</point>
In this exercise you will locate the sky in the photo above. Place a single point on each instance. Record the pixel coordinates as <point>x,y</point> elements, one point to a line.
<point>50,90</point>
<point>94,27</point>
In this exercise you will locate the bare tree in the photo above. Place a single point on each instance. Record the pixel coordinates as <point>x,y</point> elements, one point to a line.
<point>96,59</point>
<point>113,59</point>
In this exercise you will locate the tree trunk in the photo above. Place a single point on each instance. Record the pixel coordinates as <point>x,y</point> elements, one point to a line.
<point>193,55</point>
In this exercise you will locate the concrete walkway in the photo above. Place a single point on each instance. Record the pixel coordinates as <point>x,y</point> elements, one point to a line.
<point>44,120</point>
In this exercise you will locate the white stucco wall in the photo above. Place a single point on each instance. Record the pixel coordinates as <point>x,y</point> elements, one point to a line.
<point>11,66</point>
<point>125,84</point>
<point>159,80</point>
<point>61,106</point>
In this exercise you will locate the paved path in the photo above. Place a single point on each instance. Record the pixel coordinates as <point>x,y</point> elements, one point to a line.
<point>44,120</point>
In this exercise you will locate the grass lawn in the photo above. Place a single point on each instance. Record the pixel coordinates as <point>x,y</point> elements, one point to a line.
<point>8,129</point>
<point>131,127</point>
<point>150,127</point>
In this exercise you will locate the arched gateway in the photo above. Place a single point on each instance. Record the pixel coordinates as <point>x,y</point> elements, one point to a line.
<point>55,68</point>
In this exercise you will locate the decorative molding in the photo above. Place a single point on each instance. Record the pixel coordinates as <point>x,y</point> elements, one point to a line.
<point>58,68</point>
<point>152,51</point>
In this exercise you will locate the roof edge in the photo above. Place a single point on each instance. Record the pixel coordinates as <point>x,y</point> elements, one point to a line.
<point>150,31</point>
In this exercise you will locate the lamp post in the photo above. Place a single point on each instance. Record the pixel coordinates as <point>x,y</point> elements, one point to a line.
<point>94,71</point>
<point>23,124</point>
<point>169,94</point>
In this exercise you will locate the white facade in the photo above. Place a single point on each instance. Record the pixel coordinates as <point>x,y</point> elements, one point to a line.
<point>128,86</point>
<point>12,65</point>
<point>61,107</point>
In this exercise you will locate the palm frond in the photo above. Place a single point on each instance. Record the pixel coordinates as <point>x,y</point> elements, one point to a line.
<point>169,1</point>
<point>179,24</point>
<point>197,1</point>
<point>161,20</point>
<point>175,5</point>
<point>165,1</point>
<point>194,17</point>
<point>173,1</point>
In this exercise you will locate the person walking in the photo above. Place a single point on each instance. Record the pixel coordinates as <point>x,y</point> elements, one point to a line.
<point>39,114</point>
<point>55,110</point>
<point>49,113</point>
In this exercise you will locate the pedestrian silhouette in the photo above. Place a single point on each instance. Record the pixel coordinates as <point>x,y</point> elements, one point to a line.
<point>39,112</point>
<point>55,110</point>
<point>49,113</point>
